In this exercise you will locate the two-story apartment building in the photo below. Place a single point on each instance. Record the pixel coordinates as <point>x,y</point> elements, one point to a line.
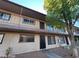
<point>25,30</point>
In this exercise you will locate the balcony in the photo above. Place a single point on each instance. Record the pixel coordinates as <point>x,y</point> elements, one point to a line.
<point>55,30</point>
<point>7,26</point>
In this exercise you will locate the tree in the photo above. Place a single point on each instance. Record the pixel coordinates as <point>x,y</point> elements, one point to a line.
<point>63,14</point>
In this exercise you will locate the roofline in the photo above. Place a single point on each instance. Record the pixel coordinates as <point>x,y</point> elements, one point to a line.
<point>22,10</point>
<point>24,7</point>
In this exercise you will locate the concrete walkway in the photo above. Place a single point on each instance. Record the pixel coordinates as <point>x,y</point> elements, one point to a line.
<point>51,53</point>
<point>35,54</point>
<point>38,54</point>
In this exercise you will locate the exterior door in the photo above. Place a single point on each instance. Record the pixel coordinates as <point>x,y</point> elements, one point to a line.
<point>42,42</point>
<point>42,25</point>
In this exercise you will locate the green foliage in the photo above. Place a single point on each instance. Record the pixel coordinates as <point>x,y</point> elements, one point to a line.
<point>56,8</point>
<point>54,21</point>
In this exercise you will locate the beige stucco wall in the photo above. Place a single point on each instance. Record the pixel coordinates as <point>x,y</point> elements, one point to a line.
<point>6,43</point>
<point>50,46</point>
<point>12,40</point>
<point>18,20</point>
<point>26,46</point>
<point>57,43</point>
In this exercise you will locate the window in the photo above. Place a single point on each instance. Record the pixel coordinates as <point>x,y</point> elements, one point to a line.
<point>29,21</point>
<point>5,16</point>
<point>1,38</point>
<point>26,38</point>
<point>50,28</point>
<point>60,30</point>
<point>51,40</point>
<point>0,15</point>
<point>77,40</point>
<point>62,39</point>
<point>42,26</point>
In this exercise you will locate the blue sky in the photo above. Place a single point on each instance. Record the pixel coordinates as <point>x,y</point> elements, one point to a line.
<point>37,5</point>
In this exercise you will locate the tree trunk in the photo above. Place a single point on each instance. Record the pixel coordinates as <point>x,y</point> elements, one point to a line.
<point>73,47</point>
<point>70,29</point>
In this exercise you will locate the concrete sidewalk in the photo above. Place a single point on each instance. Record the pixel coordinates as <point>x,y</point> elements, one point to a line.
<point>50,53</point>
<point>38,54</point>
<point>53,55</point>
